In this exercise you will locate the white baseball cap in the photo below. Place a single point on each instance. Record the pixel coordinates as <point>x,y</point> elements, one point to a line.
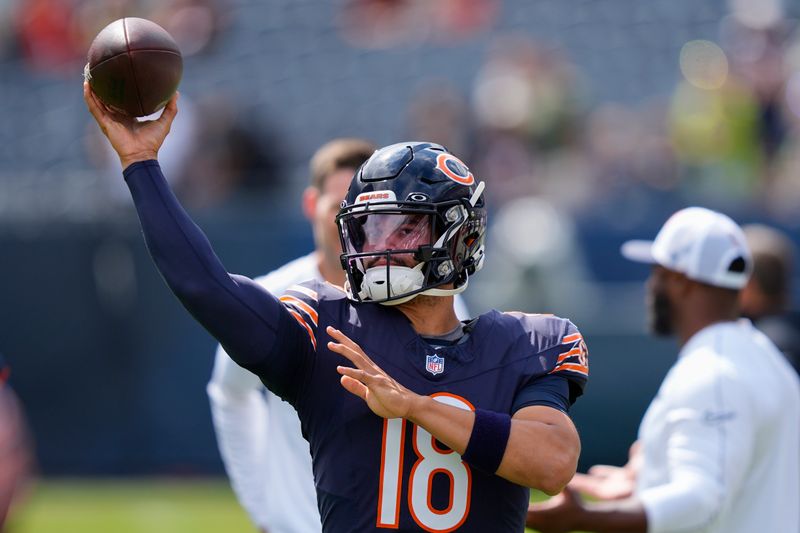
<point>703,245</point>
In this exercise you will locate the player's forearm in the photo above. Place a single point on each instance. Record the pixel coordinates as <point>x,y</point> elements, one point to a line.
<point>450,425</point>
<point>538,455</point>
<point>542,453</point>
<point>621,516</point>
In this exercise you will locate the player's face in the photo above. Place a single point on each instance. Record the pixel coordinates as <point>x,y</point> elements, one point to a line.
<point>660,309</point>
<point>326,233</point>
<point>395,232</point>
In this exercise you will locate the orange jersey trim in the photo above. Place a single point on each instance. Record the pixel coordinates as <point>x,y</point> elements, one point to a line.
<point>567,355</point>
<point>572,367</point>
<point>302,322</point>
<point>307,309</point>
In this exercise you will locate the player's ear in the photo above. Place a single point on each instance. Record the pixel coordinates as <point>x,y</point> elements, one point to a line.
<point>682,284</point>
<point>310,197</point>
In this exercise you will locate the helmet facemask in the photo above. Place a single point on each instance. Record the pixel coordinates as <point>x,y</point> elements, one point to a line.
<point>394,251</point>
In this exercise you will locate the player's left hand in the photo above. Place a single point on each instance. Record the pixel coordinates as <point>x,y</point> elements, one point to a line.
<point>385,396</point>
<point>556,515</point>
<point>604,482</point>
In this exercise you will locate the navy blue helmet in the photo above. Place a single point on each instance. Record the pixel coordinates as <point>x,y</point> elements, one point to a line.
<point>412,222</point>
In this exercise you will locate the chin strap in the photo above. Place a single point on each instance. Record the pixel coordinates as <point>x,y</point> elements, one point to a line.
<point>436,291</point>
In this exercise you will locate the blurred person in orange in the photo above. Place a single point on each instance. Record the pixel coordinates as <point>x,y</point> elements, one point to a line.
<point>16,457</point>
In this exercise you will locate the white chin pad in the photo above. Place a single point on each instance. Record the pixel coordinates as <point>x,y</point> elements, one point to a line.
<point>403,279</point>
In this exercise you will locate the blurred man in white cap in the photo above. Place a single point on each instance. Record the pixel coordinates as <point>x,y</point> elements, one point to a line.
<point>718,447</point>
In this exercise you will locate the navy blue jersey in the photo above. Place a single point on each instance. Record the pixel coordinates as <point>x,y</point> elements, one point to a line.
<point>371,473</point>
<point>396,475</point>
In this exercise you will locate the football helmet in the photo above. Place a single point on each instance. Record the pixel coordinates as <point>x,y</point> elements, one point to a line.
<point>413,220</point>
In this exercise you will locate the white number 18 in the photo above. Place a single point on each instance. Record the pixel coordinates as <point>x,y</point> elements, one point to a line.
<point>431,460</point>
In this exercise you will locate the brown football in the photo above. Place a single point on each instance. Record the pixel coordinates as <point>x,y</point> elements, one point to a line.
<point>134,66</point>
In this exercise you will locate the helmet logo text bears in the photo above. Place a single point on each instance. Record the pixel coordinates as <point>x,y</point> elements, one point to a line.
<point>375,196</point>
<point>455,169</point>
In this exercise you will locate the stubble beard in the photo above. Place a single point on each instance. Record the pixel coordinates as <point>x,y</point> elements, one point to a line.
<point>660,321</point>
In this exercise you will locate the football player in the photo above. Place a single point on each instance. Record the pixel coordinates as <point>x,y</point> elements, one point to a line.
<point>265,455</point>
<point>416,421</point>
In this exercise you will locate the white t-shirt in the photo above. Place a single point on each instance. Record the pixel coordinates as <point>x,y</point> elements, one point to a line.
<point>721,439</point>
<point>266,458</point>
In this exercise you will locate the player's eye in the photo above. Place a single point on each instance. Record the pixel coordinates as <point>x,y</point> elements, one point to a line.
<point>405,230</point>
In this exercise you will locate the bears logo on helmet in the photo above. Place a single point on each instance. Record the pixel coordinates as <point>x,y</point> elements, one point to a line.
<point>455,169</point>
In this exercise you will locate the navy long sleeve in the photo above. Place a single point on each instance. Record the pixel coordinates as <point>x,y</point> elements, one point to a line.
<point>239,313</point>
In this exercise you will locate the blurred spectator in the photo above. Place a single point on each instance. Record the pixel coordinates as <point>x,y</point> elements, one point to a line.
<point>232,151</point>
<point>439,113</point>
<point>213,151</point>
<point>730,121</point>
<point>756,56</point>
<point>54,35</point>
<point>536,265</point>
<point>91,16</point>
<point>196,25</point>
<point>16,457</point>
<point>767,297</point>
<point>527,101</point>
<point>174,156</point>
<point>783,194</point>
<point>714,125</point>
<point>46,33</point>
<point>386,23</point>
<point>8,40</point>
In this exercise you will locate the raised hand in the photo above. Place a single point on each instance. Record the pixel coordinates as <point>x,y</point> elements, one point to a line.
<point>384,396</point>
<point>132,140</point>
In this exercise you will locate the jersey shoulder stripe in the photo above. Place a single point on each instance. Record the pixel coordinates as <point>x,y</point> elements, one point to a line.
<point>301,306</point>
<point>302,302</point>
<point>557,342</point>
<point>576,356</point>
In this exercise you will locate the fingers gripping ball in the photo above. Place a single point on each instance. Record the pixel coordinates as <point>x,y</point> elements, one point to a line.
<point>134,66</point>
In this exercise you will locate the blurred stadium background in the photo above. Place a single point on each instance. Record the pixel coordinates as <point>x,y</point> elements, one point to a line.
<point>591,121</point>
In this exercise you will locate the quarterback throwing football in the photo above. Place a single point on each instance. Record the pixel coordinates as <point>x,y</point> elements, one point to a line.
<point>416,421</point>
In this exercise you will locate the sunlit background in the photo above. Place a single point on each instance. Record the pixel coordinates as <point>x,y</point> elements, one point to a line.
<point>590,121</point>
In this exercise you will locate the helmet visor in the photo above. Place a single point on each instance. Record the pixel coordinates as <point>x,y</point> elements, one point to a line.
<point>382,231</point>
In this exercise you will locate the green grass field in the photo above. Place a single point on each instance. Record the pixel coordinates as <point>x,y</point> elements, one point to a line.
<point>147,506</point>
<point>132,506</point>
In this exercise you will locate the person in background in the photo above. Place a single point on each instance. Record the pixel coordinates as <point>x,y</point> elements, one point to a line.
<point>766,299</point>
<point>266,457</point>
<point>717,447</point>
<point>16,457</point>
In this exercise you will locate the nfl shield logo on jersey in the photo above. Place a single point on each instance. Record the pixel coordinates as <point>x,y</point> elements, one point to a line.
<point>434,364</point>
